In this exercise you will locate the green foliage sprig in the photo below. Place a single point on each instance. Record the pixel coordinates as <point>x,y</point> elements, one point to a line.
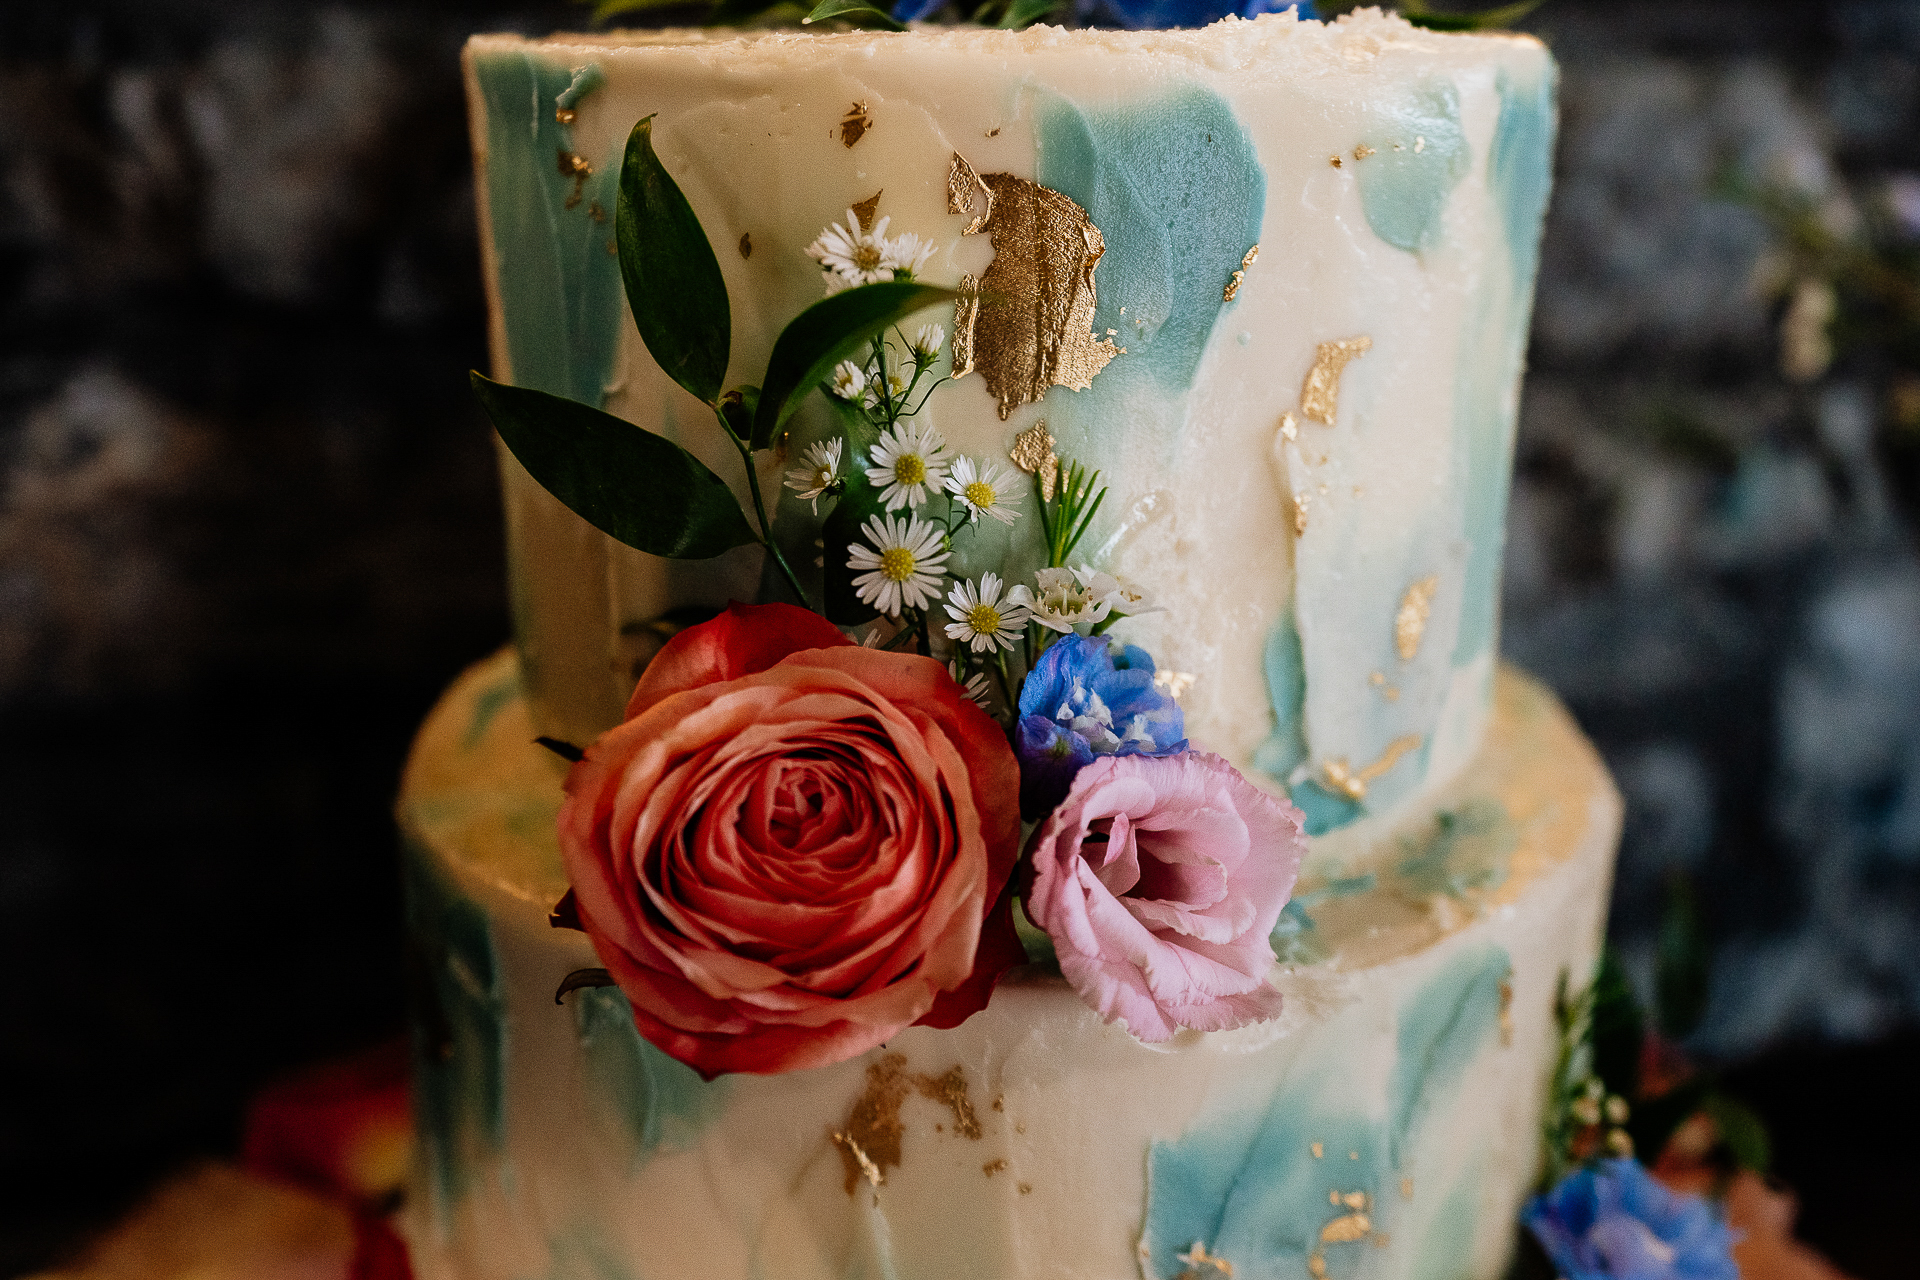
<point>641,488</point>
<point>1420,14</point>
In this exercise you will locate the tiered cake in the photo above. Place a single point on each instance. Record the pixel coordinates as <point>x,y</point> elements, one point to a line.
<point>1272,278</point>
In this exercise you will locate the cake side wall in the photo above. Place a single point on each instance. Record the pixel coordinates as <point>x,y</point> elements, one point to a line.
<point>1287,549</point>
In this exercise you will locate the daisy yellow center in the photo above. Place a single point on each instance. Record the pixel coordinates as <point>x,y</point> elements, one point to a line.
<point>896,564</point>
<point>867,256</point>
<point>980,494</point>
<point>984,619</point>
<point>909,470</point>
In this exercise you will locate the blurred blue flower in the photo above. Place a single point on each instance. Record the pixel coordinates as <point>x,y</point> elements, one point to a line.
<point>1084,699</point>
<point>1140,14</point>
<point>1613,1221</point>
<point>1145,14</point>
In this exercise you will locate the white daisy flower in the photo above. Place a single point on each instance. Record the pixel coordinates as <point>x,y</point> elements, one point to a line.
<point>1060,603</point>
<point>896,383</point>
<point>1097,586</point>
<point>854,255</point>
<point>1131,600</point>
<point>902,568</point>
<point>819,471</point>
<point>906,252</point>
<point>974,686</point>
<point>988,488</point>
<point>928,340</point>
<point>982,617</point>
<point>907,461</point>
<point>849,381</point>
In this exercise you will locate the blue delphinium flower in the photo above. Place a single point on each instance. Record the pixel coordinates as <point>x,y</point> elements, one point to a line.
<point>1141,14</point>
<point>1614,1221</point>
<point>1081,700</point>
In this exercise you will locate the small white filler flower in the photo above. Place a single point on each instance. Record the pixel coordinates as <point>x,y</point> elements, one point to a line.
<point>901,566</point>
<point>908,460</point>
<point>1131,600</point>
<point>849,383</point>
<point>988,488</point>
<point>982,617</point>
<point>1060,603</point>
<point>819,471</point>
<point>927,341</point>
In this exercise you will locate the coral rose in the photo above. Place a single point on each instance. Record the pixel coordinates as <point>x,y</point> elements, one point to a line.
<point>794,847</point>
<point>1159,879</point>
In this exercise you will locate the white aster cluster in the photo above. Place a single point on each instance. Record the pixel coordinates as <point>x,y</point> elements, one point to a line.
<point>851,254</point>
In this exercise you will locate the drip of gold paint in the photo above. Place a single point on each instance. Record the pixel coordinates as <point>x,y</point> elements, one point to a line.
<point>1353,784</point>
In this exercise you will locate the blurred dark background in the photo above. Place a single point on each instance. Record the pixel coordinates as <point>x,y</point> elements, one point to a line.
<point>249,528</point>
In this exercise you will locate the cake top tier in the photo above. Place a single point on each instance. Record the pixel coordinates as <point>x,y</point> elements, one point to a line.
<point>1270,278</point>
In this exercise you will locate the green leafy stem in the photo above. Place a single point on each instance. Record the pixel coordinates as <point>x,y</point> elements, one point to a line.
<point>638,487</point>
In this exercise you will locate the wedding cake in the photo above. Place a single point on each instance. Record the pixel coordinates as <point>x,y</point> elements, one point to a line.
<point>1184,472</point>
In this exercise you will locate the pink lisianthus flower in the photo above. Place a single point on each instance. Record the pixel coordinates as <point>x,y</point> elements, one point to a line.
<point>1159,879</point>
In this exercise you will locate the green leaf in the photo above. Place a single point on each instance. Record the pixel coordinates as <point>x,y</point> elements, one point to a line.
<point>630,484</point>
<point>1024,13</point>
<point>853,10</point>
<point>1416,12</point>
<point>673,281</point>
<point>613,8</point>
<point>729,12</point>
<point>825,334</point>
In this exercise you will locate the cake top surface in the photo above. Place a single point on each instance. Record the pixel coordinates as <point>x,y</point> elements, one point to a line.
<point>1356,37</point>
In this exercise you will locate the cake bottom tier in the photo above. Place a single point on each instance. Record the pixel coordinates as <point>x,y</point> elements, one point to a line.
<point>1386,1125</point>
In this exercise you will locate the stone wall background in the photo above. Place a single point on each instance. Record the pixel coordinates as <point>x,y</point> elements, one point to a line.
<point>249,528</point>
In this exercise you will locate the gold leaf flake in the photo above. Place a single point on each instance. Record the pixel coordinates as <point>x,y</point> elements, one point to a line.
<point>1354,1200</point>
<point>746,245</point>
<point>1346,1229</point>
<point>1032,452</point>
<point>854,125</point>
<point>564,115</point>
<point>1406,1188</point>
<point>1336,161</point>
<point>1411,622</point>
<point>1319,1150</point>
<point>1362,151</point>
<point>869,1141</point>
<point>1031,325</point>
<point>1353,783</point>
<point>950,1090</point>
<point>994,132</point>
<point>964,190</point>
<point>1233,284</point>
<point>1301,501</point>
<point>966,309</point>
<point>1288,427</point>
<point>1202,1265</point>
<point>999,1102</point>
<point>596,211</point>
<point>576,167</point>
<point>992,1167</point>
<point>1320,392</point>
<point>865,209</point>
<point>1317,1265</point>
<point>1376,679</point>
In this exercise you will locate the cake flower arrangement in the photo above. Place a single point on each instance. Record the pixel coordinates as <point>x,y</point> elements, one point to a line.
<point>806,834</point>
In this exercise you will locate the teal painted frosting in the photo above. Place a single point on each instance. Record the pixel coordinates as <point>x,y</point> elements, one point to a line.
<point>459,1030</point>
<point>1520,173</point>
<point>1469,848</point>
<point>638,1095</point>
<point>1420,155</point>
<point>1239,1183</point>
<point>1286,669</point>
<point>1177,191</point>
<point>560,289</point>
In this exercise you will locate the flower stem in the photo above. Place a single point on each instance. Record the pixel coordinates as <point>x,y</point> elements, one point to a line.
<point>760,513</point>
